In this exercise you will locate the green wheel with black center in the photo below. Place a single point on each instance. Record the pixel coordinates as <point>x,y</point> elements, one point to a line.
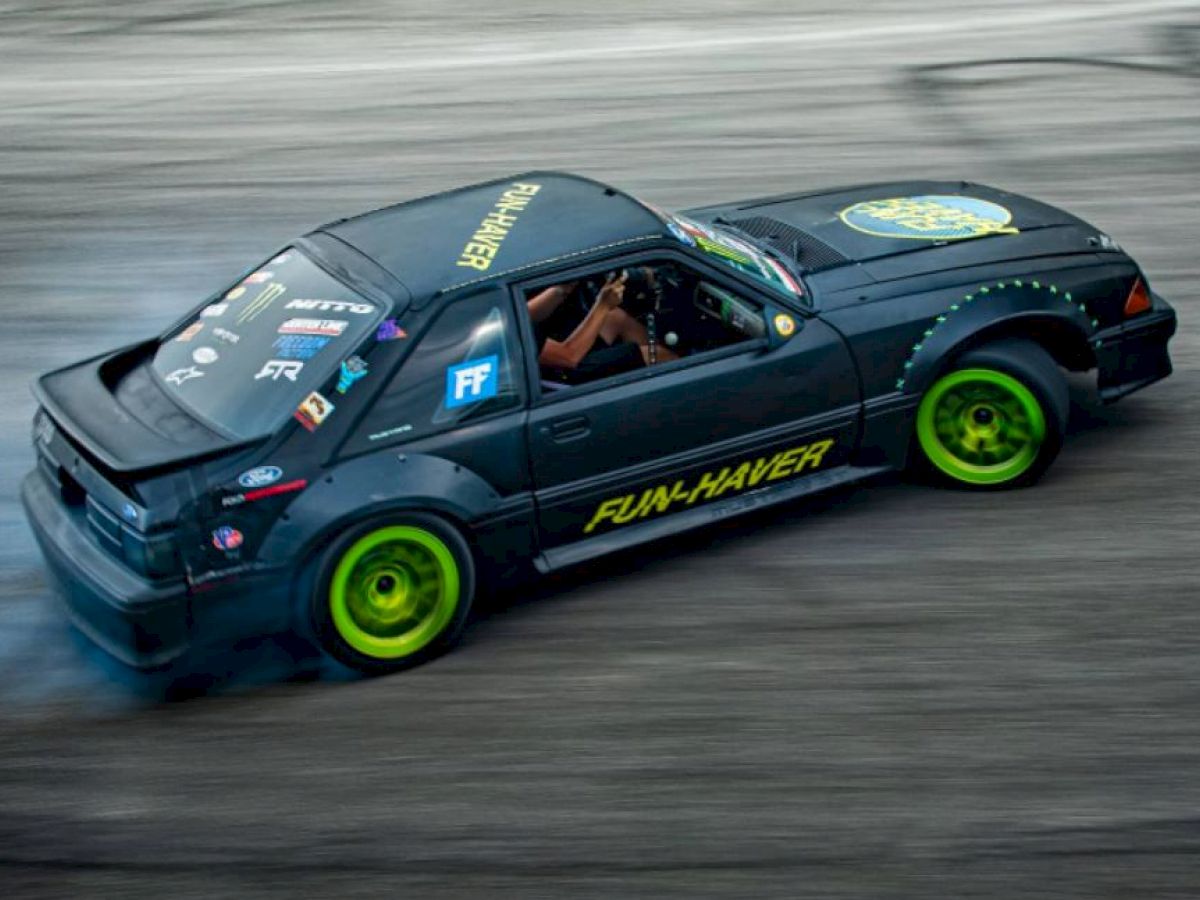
<point>995,419</point>
<point>393,593</point>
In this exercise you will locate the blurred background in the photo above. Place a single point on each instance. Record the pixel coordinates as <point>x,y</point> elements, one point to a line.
<point>889,692</point>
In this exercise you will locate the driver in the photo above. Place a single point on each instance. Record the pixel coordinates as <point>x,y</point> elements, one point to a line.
<point>607,342</point>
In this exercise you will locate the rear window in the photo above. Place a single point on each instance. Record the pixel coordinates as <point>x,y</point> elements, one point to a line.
<point>245,362</point>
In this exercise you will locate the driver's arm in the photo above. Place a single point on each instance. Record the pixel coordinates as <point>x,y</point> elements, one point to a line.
<point>543,304</point>
<point>568,354</point>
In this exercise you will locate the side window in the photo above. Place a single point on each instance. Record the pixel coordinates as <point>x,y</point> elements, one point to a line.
<point>608,322</point>
<point>467,365</point>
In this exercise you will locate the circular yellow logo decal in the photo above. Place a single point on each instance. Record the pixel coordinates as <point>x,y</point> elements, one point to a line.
<point>931,217</point>
<point>785,325</point>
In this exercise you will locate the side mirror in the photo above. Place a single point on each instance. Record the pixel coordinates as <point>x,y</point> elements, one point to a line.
<point>782,326</point>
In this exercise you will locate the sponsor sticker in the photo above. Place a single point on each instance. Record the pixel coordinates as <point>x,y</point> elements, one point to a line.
<point>204,355</point>
<point>390,330</point>
<point>288,487</point>
<point>227,538</point>
<point>190,332</point>
<point>224,334</point>
<point>312,411</point>
<point>351,371</point>
<point>235,293</point>
<point>472,381</point>
<point>259,277</point>
<point>259,304</point>
<point>299,346</point>
<point>785,325</point>
<point>260,476</point>
<point>281,259</point>
<point>274,368</point>
<point>338,306</point>
<point>390,432</point>
<point>179,376</point>
<point>930,217</point>
<point>325,327</point>
<point>214,309</point>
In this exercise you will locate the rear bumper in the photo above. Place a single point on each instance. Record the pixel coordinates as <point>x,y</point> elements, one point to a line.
<point>1134,354</point>
<point>143,624</point>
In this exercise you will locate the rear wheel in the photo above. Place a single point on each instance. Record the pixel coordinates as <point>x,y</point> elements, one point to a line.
<point>996,419</point>
<point>393,593</point>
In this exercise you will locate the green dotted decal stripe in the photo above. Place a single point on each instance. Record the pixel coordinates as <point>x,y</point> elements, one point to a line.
<point>982,293</point>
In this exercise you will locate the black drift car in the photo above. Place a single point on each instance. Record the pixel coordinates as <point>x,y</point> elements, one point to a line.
<point>400,408</point>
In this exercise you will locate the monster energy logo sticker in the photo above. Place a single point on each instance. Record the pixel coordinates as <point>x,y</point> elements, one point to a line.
<point>259,304</point>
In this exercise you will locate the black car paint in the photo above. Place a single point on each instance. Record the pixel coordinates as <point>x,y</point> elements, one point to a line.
<point>524,483</point>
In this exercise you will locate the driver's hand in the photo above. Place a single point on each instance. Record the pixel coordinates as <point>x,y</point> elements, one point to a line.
<point>613,292</point>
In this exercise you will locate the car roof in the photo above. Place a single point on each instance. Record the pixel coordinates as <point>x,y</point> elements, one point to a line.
<point>475,233</point>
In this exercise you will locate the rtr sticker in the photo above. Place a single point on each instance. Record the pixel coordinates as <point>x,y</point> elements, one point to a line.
<point>472,381</point>
<point>312,411</point>
<point>930,217</point>
<point>785,325</point>
<point>273,368</point>
<point>227,538</point>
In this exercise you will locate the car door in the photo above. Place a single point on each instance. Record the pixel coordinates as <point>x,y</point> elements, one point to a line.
<point>644,445</point>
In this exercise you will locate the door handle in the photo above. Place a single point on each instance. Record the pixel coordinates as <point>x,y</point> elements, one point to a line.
<point>571,428</point>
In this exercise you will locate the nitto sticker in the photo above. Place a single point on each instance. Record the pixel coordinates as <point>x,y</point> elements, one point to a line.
<point>351,371</point>
<point>299,346</point>
<point>930,217</point>
<point>472,381</point>
<point>274,368</point>
<point>389,330</point>
<point>179,376</point>
<point>260,476</point>
<point>227,538</point>
<point>663,498</point>
<point>312,411</point>
<point>214,309</point>
<point>323,327</point>
<point>190,332</point>
<point>339,306</point>
<point>485,243</point>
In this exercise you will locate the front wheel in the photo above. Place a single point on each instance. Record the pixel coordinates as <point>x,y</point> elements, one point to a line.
<point>996,419</point>
<point>393,593</point>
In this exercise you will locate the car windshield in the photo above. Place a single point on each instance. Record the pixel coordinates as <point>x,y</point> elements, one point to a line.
<point>244,363</point>
<point>736,253</point>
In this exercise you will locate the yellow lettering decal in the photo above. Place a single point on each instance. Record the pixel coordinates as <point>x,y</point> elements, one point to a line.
<point>708,485</point>
<point>762,466</point>
<point>785,462</point>
<point>816,452</point>
<point>629,513</point>
<point>607,510</point>
<point>737,479</point>
<point>485,242</point>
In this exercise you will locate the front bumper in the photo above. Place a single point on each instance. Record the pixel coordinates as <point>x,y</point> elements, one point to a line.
<point>1134,354</point>
<point>145,624</point>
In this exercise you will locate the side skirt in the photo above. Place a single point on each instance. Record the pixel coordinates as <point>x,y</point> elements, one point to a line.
<point>622,538</point>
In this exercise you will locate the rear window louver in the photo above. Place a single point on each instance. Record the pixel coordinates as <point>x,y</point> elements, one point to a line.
<point>812,254</point>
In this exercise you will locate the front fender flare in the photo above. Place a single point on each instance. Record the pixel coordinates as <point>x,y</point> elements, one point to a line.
<point>1002,305</point>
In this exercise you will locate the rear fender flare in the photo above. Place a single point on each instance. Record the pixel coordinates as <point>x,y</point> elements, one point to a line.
<point>1002,308</point>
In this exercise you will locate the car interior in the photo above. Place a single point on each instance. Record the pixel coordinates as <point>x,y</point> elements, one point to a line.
<point>680,310</point>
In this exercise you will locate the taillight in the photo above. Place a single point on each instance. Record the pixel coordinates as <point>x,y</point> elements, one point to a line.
<point>1138,300</point>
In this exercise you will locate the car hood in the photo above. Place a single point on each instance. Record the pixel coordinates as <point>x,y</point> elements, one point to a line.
<point>867,222</point>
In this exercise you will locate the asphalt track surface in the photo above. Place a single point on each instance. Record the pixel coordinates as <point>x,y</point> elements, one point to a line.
<point>894,691</point>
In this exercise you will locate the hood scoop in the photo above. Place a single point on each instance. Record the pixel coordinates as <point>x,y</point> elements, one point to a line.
<point>812,254</point>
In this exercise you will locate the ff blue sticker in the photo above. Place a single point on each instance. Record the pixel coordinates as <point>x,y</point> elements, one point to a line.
<point>472,381</point>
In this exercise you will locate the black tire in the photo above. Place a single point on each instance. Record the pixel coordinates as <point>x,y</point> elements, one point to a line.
<point>369,573</point>
<point>970,425</point>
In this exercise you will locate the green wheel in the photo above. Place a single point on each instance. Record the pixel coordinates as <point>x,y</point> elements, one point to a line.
<point>393,593</point>
<point>996,419</point>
